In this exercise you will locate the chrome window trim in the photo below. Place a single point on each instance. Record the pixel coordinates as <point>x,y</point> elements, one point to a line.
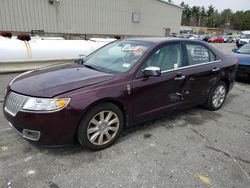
<point>190,66</point>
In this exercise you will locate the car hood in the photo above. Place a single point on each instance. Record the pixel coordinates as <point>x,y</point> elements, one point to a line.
<point>244,59</point>
<point>53,81</point>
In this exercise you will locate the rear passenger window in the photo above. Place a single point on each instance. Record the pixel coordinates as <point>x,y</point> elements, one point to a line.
<point>212,56</point>
<point>198,54</point>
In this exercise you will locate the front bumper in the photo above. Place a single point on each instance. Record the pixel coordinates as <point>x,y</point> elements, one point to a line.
<point>46,129</point>
<point>28,134</point>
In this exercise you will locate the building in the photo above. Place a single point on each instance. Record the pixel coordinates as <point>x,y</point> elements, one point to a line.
<point>202,30</point>
<point>95,17</point>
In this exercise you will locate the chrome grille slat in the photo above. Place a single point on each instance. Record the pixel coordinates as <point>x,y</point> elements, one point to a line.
<point>19,99</point>
<point>14,102</point>
<point>10,104</point>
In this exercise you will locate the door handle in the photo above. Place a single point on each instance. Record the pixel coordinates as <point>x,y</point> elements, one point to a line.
<point>215,69</point>
<point>180,77</point>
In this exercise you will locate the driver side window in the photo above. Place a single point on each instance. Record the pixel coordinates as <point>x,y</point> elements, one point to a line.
<point>167,57</point>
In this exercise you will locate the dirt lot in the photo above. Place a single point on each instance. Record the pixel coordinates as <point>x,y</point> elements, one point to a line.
<point>194,148</point>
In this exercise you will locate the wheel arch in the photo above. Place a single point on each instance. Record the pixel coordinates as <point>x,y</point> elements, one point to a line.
<point>107,100</point>
<point>226,81</point>
<point>119,104</point>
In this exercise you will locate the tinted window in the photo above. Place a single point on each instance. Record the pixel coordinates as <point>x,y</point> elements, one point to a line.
<point>198,54</point>
<point>167,58</point>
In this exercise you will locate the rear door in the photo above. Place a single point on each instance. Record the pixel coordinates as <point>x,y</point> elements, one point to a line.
<point>202,72</point>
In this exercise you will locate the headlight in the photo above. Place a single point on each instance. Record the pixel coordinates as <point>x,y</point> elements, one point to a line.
<point>40,104</point>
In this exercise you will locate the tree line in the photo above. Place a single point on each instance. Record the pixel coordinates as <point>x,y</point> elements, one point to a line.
<point>211,17</point>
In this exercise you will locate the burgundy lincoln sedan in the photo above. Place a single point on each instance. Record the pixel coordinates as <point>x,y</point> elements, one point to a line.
<point>122,84</point>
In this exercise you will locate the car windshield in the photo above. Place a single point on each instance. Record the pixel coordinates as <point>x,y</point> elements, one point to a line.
<point>246,36</point>
<point>244,49</point>
<point>117,57</point>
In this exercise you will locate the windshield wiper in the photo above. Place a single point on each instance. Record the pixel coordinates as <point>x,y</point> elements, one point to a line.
<point>90,67</point>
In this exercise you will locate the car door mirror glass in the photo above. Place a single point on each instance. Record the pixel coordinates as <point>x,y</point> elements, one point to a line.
<point>152,71</point>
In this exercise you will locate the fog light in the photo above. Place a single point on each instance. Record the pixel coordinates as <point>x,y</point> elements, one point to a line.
<point>31,135</point>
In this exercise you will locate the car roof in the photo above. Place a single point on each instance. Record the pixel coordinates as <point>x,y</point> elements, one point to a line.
<point>157,40</point>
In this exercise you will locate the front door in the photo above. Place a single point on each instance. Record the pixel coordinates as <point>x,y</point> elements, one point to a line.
<point>155,95</point>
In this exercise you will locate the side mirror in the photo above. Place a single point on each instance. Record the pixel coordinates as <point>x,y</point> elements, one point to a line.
<point>234,50</point>
<point>81,59</point>
<point>152,71</point>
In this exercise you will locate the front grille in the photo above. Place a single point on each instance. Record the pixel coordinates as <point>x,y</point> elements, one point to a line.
<point>14,102</point>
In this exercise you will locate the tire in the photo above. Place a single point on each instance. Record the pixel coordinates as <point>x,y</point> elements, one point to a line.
<point>100,127</point>
<point>217,92</point>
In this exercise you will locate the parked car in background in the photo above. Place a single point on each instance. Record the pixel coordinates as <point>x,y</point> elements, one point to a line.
<point>235,38</point>
<point>185,36</point>
<point>207,37</point>
<point>228,39</point>
<point>122,84</point>
<point>194,37</point>
<point>216,39</point>
<point>201,37</point>
<point>243,39</point>
<point>243,56</point>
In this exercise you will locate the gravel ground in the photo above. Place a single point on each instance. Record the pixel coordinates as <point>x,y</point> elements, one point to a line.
<point>193,148</point>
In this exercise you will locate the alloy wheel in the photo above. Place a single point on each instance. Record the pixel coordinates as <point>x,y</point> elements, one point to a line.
<point>103,127</point>
<point>219,96</point>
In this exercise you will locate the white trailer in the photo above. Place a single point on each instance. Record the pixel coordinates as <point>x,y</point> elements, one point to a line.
<point>17,55</point>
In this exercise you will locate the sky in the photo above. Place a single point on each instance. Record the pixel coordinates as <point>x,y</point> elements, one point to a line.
<point>219,4</point>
